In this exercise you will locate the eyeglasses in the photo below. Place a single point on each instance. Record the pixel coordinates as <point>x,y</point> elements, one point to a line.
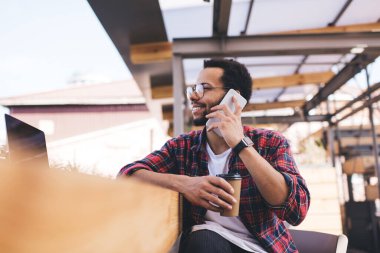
<point>200,88</point>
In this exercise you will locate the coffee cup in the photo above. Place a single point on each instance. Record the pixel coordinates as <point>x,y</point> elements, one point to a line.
<point>234,179</point>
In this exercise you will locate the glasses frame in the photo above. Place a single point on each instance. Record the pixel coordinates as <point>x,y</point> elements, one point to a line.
<point>199,89</point>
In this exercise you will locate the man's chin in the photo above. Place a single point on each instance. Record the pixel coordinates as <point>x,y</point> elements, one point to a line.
<point>200,121</point>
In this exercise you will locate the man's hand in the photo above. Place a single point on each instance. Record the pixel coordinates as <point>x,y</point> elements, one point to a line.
<point>230,123</point>
<point>208,190</point>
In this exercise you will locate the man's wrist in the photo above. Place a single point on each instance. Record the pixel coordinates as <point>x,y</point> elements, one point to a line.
<point>245,142</point>
<point>236,141</point>
<point>177,182</point>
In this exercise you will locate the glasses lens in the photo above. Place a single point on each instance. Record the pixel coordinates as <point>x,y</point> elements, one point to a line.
<point>199,90</point>
<point>189,92</point>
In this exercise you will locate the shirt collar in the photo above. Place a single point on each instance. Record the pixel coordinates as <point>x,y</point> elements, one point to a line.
<point>200,143</point>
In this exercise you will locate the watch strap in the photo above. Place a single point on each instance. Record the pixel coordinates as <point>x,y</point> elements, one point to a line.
<point>244,143</point>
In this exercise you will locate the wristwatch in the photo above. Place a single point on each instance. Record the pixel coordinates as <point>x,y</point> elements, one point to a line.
<point>244,143</point>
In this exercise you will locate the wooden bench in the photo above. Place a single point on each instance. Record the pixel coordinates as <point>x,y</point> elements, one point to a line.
<point>46,210</point>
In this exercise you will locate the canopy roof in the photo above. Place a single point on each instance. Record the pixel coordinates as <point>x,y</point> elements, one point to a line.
<point>298,52</point>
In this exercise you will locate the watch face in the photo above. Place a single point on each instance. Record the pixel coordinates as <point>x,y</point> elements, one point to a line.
<point>247,141</point>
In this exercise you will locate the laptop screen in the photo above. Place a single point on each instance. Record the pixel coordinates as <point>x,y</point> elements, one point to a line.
<point>26,144</point>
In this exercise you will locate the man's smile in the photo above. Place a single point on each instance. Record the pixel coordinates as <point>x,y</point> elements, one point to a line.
<point>197,107</point>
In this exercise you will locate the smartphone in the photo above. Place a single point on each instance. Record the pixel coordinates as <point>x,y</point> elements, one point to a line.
<point>228,101</point>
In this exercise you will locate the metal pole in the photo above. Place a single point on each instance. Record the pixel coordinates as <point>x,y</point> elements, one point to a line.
<point>376,154</point>
<point>350,189</point>
<point>345,6</point>
<point>330,139</point>
<point>244,32</point>
<point>178,90</point>
<point>374,135</point>
<point>330,135</point>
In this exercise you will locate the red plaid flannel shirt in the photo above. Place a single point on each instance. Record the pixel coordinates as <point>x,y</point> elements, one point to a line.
<point>187,155</point>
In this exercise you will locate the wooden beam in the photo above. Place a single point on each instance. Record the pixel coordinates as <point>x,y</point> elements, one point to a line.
<point>359,128</point>
<point>167,112</point>
<point>291,80</point>
<point>161,51</point>
<point>274,105</point>
<point>365,27</point>
<point>263,83</point>
<point>357,141</point>
<point>151,52</point>
<point>159,92</point>
<point>350,142</point>
<point>48,210</point>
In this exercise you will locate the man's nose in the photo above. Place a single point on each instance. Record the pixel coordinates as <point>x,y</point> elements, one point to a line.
<point>194,96</point>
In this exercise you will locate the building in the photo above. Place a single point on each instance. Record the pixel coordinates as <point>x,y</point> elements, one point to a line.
<point>93,128</point>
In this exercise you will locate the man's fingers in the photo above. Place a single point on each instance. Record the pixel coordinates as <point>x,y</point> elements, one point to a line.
<point>221,188</point>
<point>219,202</point>
<point>238,108</point>
<point>206,198</point>
<point>221,183</point>
<point>218,114</point>
<point>224,197</point>
<point>213,126</point>
<point>226,110</point>
<point>209,206</point>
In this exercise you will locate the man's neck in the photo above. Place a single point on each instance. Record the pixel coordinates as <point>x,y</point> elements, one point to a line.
<point>217,143</point>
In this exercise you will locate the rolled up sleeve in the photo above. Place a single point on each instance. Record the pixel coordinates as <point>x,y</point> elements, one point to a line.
<point>295,208</point>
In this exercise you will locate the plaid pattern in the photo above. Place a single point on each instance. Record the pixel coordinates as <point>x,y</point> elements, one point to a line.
<point>187,155</point>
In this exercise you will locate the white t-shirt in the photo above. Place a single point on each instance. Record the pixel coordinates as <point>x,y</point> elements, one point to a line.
<point>230,228</point>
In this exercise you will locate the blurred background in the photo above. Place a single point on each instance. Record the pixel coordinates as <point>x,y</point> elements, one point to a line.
<point>104,81</point>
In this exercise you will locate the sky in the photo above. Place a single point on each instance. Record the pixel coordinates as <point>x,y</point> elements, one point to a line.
<point>46,44</point>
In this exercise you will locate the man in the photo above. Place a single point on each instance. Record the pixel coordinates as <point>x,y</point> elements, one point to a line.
<point>272,189</point>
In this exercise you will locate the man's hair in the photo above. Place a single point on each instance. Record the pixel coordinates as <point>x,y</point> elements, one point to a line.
<point>235,75</point>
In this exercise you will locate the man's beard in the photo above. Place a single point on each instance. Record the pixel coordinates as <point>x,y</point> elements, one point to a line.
<point>201,121</point>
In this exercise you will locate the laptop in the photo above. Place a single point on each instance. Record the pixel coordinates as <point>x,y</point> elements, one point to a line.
<point>26,144</point>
